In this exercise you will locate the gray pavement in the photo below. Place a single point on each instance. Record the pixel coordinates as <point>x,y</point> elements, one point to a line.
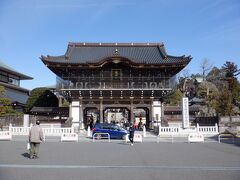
<point>118,160</point>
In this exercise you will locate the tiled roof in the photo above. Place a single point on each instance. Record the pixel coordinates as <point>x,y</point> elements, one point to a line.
<point>15,93</point>
<point>6,68</point>
<point>146,53</point>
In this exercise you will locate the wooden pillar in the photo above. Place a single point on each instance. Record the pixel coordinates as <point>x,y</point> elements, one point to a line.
<point>162,113</point>
<point>101,110</point>
<point>131,109</point>
<point>151,115</point>
<point>81,114</point>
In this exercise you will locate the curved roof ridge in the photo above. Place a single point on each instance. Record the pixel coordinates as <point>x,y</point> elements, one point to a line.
<point>74,44</point>
<point>52,57</point>
<point>148,53</point>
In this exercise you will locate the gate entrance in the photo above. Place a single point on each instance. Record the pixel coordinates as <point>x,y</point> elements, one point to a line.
<point>91,116</point>
<point>118,115</point>
<point>141,117</point>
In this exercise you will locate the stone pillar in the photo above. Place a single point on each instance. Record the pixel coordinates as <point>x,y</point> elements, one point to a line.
<point>185,112</point>
<point>101,110</point>
<point>75,113</point>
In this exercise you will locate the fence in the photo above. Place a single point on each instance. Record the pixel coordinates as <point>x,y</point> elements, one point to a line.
<point>206,130</point>
<point>16,120</point>
<point>52,131</point>
<point>101,136</point>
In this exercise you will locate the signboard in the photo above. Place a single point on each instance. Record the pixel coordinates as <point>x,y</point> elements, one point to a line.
<point>69,137</point>
<point>136,138</point>
<point>185,112</point>
<point>75,103</point>
<point>195,137</point>
<point>5,135</point>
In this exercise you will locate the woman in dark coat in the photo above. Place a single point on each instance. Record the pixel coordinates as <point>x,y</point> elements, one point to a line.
<point>131,134</point>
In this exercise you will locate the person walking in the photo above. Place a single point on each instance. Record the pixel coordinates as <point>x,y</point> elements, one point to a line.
<point>35,138</point>
<point>131,134</point>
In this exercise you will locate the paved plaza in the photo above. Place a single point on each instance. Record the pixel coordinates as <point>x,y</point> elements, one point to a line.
<point>118,160</point>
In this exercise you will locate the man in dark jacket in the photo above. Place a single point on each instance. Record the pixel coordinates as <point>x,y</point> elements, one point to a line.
<point>131,134</point>
<point>35,138</point>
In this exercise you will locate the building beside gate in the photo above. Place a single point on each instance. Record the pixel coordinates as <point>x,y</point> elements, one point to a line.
<point>10,79</point>
<point>115,82</point>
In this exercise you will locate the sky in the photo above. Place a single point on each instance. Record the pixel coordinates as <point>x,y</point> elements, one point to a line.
<point>204,29</point>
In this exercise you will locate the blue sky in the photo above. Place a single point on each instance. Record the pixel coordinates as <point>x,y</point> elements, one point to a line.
<point>200,28</point>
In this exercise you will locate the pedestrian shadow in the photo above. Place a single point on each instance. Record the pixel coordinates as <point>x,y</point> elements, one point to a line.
<point>26,155</point>
<point>234,141</point>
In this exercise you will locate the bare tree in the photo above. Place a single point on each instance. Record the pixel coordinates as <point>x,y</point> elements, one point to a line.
<point>185,73</point>
<point>205,67</point>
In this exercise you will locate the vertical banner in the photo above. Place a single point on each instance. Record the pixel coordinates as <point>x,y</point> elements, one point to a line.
<point>185,112</point>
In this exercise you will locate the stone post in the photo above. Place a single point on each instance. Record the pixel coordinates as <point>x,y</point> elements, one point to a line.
<point>10,128</point>
<point>88,132</point>
<point>216,127</point>
<point>144,131</point>
<point>197,128</point>
<point>159,129</point>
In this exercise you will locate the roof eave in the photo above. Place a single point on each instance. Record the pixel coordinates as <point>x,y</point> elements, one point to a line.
<point>14,87</point>
<point>15,73</point>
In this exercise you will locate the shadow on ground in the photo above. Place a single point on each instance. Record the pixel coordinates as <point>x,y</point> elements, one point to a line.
<point>26,155</point>
<point>235,141</point>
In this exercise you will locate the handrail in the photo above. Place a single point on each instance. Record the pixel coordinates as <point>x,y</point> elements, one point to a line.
<point>225,135</point>
<point>101,137</point>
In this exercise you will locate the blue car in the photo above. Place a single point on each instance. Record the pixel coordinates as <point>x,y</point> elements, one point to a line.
<point>115,131</point>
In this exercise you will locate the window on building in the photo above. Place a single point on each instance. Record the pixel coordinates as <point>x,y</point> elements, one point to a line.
<point>14,81</point>
<point>3,78</point>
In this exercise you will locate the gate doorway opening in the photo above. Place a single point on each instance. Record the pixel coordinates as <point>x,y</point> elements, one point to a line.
<point>118,115</point>
<point>91,116</point>
<point>141,118</point>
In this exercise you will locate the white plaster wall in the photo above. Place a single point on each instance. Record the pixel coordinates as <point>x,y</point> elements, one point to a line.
<point>157,110</point>
<point>75,113</point>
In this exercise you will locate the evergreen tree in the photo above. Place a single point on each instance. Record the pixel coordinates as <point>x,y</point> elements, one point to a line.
<point>231,72</point>
<point>41,97</point>
<point>5,104</point>
<point>175,98</point>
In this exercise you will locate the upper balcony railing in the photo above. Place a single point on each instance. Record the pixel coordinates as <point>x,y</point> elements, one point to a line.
<point>121,83</point>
